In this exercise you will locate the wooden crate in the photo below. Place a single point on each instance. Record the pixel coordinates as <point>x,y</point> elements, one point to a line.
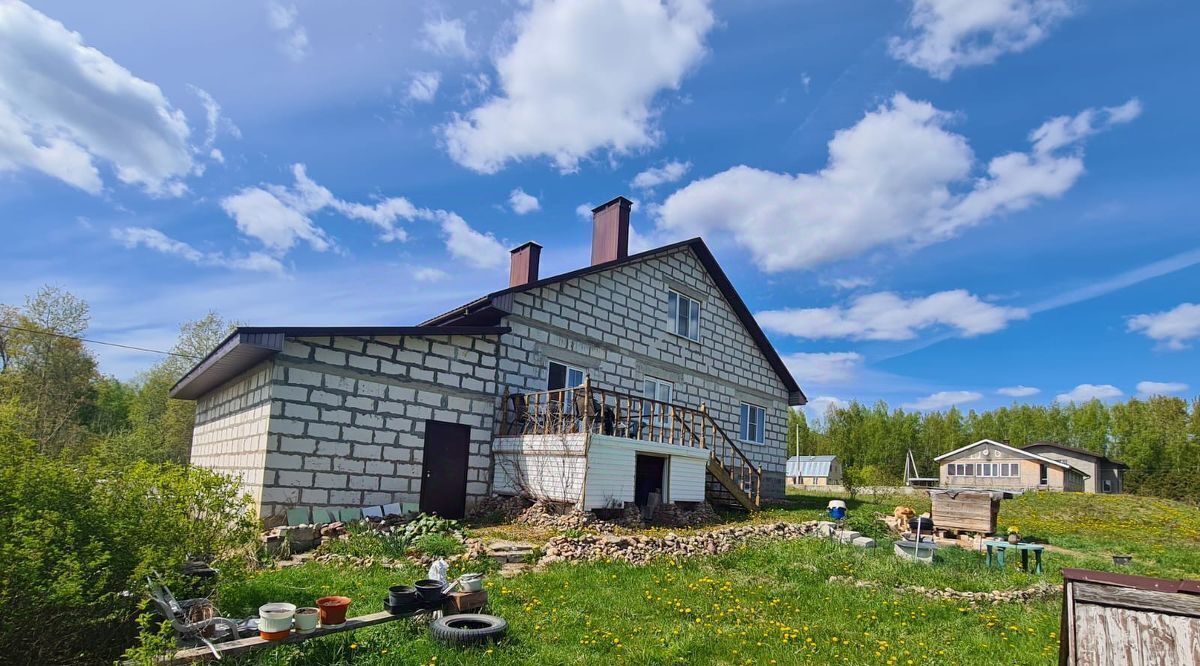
<point>964,511</point>
<point>1111,618</point>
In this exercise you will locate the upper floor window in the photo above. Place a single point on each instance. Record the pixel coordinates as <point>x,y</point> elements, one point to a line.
<point>563,376</point>
<point>754,422</point>
<point>684,315</point>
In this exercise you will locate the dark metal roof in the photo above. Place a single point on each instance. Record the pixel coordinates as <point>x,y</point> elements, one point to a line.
<point>491,308</point>
<point>249,345</point>
<point>1075,449</point>
<point>1129,580</point>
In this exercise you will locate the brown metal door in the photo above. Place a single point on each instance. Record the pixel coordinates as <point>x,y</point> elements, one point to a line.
<point>444,469</point>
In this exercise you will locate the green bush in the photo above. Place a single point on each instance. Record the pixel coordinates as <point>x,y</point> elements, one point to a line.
<point>438,545</point>
<point>81,535</point>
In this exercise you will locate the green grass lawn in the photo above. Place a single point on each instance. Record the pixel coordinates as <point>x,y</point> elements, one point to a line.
<point>763,604</point>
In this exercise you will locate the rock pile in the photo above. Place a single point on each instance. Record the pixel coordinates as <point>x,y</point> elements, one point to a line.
<point>680,515</point>
<point>641,549</point>
<point>499,508</point>
<point>1036,591</point>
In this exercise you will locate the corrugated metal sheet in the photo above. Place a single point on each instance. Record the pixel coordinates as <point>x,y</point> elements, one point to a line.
<point>809,465</point>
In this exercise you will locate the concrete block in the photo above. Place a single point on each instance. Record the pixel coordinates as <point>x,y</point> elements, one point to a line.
<point>864,542</point>
<point>367,451</point>
<point>329,480</point>
<point>348,465</point>
<point>329,356</point>
<point>333,449</point>
<point>364,482</point>
<point>295,479</point>
<point>299,411</point>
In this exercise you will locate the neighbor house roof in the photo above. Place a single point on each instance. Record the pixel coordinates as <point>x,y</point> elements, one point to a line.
<point>809,465</point>
<point>1006,447</point>
<point>1077,450</point>
<point>246,346</point>
<point>490,309</point>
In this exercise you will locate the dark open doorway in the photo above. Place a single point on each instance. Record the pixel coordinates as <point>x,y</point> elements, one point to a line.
<point>444,469</point>
<point>649,476</point>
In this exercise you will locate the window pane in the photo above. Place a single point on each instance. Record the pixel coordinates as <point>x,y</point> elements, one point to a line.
<point>682,319</point>
<point>745,423</point>
<point>574,377</point>
<point>970,469</point>
<point>664,391</point>
<point>672,307</point>
<point>762,426</point>
<point>694,321</point>
<point>558,376</point>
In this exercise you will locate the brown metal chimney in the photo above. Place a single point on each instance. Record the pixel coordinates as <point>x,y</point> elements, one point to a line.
<point>610,231</point>
<point>524,267</point>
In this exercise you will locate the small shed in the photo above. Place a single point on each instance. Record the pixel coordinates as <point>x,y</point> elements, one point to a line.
<point>965,510</point>
<point>814,471</point>
<point>1112,618</point>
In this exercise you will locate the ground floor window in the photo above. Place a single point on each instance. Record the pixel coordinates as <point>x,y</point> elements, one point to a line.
<point>753,424</point>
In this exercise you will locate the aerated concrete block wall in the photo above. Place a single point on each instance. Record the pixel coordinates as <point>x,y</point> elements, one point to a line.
<point>348,417</point>
<point>614,326</point>
<point>230,435</point>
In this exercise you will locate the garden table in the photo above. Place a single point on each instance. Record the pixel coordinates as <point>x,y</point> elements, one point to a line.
<point>1024,548</point>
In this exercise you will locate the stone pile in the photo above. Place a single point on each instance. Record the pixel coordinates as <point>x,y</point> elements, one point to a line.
<point>678,515</point>
<point>1038,590</point>
<point>500,508</point>
<point>641,549</point>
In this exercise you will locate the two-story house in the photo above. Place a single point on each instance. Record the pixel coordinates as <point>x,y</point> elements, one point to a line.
<point>638,374</point>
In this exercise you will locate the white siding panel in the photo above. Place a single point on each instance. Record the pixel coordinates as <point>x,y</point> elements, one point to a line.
<point>610,474</point>
<point>546,467</point>
<point>686,479</point>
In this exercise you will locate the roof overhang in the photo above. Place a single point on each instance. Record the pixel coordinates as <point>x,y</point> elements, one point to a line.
<point>248,346</point>
<point>1006,447</point>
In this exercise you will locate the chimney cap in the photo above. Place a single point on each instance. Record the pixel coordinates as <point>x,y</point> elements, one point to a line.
<point>621,200</point>
<point>526,244</point>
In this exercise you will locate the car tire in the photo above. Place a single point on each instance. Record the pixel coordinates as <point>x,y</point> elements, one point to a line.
<point>468,628</point>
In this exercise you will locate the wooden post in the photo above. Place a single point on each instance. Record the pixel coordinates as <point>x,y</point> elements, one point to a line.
<point>503,429</point>
<point>587,403</point>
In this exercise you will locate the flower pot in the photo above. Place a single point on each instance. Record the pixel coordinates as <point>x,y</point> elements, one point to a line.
<point>1014,538</point>
<point>275,620</point>
<point>400,595</point>
<point>472,582</point>
<point>306,619</point>
<point>333,610</point>
<point>429,589</point>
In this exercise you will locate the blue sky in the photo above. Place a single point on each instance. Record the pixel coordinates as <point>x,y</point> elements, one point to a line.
<point>928,202</point>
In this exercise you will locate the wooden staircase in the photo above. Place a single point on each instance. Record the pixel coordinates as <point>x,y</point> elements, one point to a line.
<point>731,479</point>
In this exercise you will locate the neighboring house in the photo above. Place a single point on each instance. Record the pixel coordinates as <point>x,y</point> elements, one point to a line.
<point>814,471</point>
<point>1103,475</point>
<point>637,374</point>
<point>992,465</point>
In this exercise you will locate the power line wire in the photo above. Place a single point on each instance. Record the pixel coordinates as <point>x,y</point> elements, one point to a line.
<point>96,342</point>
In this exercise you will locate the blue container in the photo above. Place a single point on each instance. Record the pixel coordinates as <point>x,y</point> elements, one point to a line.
<point>837,512</point>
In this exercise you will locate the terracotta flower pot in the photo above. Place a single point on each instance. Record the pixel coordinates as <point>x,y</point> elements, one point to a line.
<point>333,610</point>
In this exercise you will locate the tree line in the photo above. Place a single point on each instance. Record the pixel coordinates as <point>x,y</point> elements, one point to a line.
<point>1157,437</point>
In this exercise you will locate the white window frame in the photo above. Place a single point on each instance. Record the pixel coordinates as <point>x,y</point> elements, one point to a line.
<point>746,410</point>
<point>653,409</point>
<point>692,328</point>
<point>567,377</point>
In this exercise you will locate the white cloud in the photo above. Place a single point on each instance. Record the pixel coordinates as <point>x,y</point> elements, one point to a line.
<point>424,86</point>
<point>278,226</point>
<point>522,202</point>
<point>1173,328</point>
<point>1148,388</point>
<point>475,86</point>
<point>848,283</point>
<point>918,176</point>
<point>823,367</point>
<point>481,250</point>
<point>64,106</point>
<point>943,399</point>
<point>887,316</point>
<point>1018,391</point>
<point>215,121</point>
<point>584,210</point>
<point>817,407</point>
<point>283,19</point>
<point>156,240</point>
<point>580,77</point>
<point>655,176</point>
<point>430,274</point>
<point>951,34</point>
<point>1087,392</point>
<point>446,37</point>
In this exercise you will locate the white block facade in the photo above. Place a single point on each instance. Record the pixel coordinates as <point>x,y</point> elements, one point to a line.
<point>230,435</point>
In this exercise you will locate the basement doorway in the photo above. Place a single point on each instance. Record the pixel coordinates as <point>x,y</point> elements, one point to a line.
<point>649,477</point>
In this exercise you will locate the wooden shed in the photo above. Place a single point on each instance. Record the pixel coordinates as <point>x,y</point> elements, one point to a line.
<point>1122,620</point>
<point>964,510</point>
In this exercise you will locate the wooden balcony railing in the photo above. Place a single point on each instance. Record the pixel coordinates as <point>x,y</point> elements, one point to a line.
<point>589,409</point>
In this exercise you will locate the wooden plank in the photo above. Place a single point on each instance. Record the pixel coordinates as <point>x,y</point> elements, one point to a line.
<point>1107,636</point>
<point>244,645</point>
<point>1146,600</point>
